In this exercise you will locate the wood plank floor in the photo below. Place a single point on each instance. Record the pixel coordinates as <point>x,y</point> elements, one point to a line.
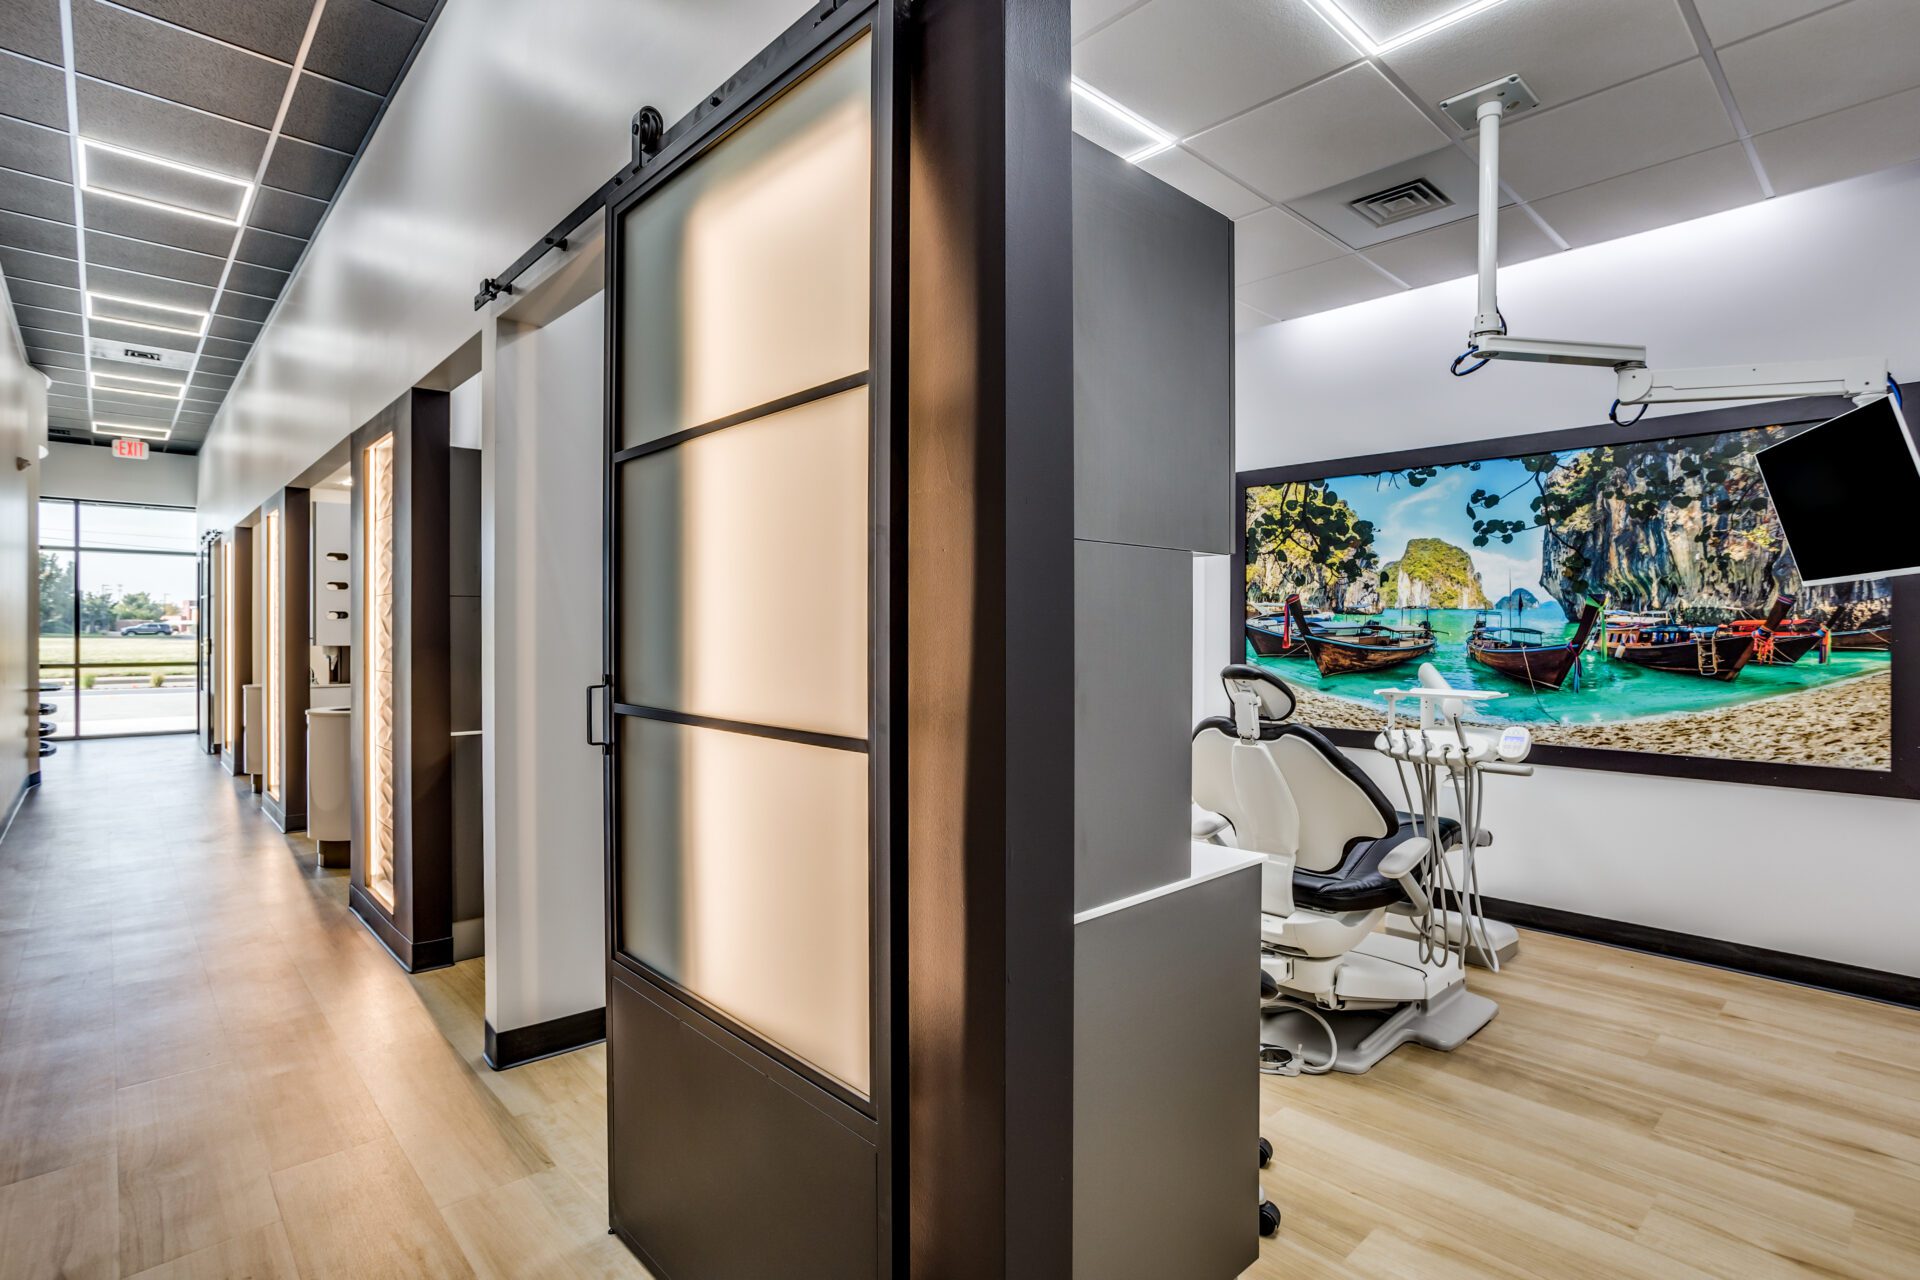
<point>209,1069</point>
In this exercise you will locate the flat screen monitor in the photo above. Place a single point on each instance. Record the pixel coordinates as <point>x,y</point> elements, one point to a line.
<point>1848,495</point>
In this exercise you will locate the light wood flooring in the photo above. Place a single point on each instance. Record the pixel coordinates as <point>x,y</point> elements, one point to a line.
<point>208,1069</point>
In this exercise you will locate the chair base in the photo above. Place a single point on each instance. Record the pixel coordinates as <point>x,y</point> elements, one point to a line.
<point>1363,1037</point>
<point>1502,937</point>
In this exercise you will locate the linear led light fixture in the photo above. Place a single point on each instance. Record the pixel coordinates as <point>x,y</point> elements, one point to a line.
<point>86,184</point>
<point>1161,139</point>
<point>179,391</point>
<point>1337,18</point>
<point>201,318</point>
<point>128,429</point>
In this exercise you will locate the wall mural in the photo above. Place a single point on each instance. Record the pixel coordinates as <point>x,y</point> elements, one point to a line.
<point>1627,595</point>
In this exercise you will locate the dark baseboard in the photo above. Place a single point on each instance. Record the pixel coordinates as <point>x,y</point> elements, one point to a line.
<point>27,784</point>
<point>283,821</point>
<point>517,1045</point>
<point>334,853</point>
<point>414,957</point>
<point>1807,971</point>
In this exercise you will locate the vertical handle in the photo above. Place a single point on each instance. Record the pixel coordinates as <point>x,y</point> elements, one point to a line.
<point>591,740</point>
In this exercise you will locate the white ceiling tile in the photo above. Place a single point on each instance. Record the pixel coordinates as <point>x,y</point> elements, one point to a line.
<point>1107,128</point>
<point>1386,20</point>
<point>1273,241</point>
<point>1245,318</point>
<point>1339,283</point>
<point>1088,14</point>
<point>1562,48</point>
<point>1187,172</point>
<point>1843,144</point>
<point>1346,125</point>
<point>1676,191</point>
<point>1839,58</point>
<point>1453,251</point>
<point>1663,116</point>
<point>1188,64</point>
<point>1450,171</point>
<point>1730,20</point>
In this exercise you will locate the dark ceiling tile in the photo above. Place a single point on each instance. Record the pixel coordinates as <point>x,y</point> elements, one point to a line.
<point>134,335</point>
<point>160,128</point>
<point>286,213</point>
<point>51,339</point>
<point>56,359</point>
<point>421,9</point>
<point>330,113</point>
<point>33,148</point>
<point>124,48</point>
<point>47,319</point>
<point>137,222</point>
<point>31,27</point>
<point>49,296</point>
<point>232,330</point>
<point>243,306</point>
<point>302,167</point>
<point>272,27</point>
<point>216,366</point>
<point>160,289</point>
<point>363,43</point>
<point>71,404</point>
<point>153,259</point>
<point>37,235</point>
<point>36,197</point>
<point>209,387</point>
<point>33,91</point>
<point>18,264</point>
<point>225,349</point>
<point>265,249</point>
<point>117,405</point>
<point>261,282</point>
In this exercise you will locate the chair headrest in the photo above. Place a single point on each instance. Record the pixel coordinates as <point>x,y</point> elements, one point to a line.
<point>1246,683</point>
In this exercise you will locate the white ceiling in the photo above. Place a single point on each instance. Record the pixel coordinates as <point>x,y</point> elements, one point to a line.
<point>1652,112</point>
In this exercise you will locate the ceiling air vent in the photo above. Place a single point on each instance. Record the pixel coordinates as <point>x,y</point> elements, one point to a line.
<point>1403,200</point>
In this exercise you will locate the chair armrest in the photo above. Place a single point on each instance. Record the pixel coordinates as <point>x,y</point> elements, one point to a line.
<point>1399,864</point>
<point>1207,825</point>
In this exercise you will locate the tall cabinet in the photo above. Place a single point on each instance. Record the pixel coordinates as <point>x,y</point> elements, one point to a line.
<point>284,535</point>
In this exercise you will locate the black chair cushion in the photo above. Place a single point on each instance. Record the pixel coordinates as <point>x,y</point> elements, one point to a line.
<point>1357,884</point>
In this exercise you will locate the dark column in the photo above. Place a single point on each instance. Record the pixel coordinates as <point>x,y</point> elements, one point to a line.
<point>295,508</point>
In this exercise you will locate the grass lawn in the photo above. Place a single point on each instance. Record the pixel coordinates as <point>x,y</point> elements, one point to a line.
<point>132,650</point>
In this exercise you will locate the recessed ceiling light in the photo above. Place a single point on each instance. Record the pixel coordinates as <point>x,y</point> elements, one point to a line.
<point>128,429</point>
<point>88,185</point>
<point>1338,19</point>
<point>1158,139</point>
<point>120,306</point>
<point>175,390</point>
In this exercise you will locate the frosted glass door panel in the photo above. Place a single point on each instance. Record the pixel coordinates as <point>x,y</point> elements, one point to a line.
<point>746,276</point>
<point>744,571</point>
<point>743,877</point>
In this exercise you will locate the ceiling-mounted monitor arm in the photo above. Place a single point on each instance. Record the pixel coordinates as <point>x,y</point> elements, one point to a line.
<point>1482,110</point>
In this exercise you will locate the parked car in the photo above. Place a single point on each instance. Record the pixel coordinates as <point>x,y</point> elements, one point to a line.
<point>147,629</point>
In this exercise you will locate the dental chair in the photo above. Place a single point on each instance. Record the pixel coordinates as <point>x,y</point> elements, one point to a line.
<point>1340,858</point>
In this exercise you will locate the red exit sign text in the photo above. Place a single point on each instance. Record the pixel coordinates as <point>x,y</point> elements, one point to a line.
<point>129,448</point>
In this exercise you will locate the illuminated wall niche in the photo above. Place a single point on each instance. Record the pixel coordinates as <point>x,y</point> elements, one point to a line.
<point>229,708</point>
<point>377,666</point>
<point>273,533</point>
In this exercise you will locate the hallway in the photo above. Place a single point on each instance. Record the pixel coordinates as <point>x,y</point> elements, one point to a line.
<point>209,1068</point>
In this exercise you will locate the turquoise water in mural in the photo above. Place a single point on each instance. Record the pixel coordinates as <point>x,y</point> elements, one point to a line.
<point>1608,690</point>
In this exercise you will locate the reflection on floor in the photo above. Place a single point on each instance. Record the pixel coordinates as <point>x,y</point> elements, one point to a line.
<point>208,1068</point>
<point>1623,1115</point>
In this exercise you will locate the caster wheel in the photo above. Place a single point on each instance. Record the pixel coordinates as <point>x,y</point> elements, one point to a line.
<point>1269,1217</point>
<point>1266,1153</point>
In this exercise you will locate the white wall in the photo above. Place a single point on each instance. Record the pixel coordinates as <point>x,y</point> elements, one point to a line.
<point>1828,272</point>
<point>91,472</point>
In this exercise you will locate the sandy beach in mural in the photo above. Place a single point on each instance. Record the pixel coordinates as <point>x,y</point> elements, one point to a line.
<point>1843,724</point>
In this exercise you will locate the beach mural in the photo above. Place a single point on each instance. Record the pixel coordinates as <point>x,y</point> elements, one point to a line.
<point>1635,595</point>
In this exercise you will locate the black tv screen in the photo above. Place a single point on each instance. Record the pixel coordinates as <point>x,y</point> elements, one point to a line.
<point>1848,495</point>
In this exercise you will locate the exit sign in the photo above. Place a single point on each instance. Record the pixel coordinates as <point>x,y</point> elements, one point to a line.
<point>129,448</point>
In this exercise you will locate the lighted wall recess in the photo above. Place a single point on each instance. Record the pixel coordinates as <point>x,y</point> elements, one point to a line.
<point>128,429</point>
<point>107,170</point>
<point>111,308</point>
<point>127,384</point>
<point>1153,138</point>
<point>272,550</point>
<point>1373,44</point>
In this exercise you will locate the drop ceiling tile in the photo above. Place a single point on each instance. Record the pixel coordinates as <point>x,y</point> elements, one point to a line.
<point>244,306</point>
<point>69,381</point>
<point>1874,135</point>
<point>1677,191</point>
<point>1562,50</point>
<point>33,91</point>
<point>272,27</point>
<point>152,259</point>
<point>1384,21</point>
<point>1447,171</point>
<point>261,282</point>
<point>1664,116</point>
<point>68,404</point>
<point>233,330</point>
<point>266,249</point>
<point>193,420</point>
<point>330,113</point>
<point>1339,283</point>
<point>208,387</point>
<point>36,149</point>
<point>1232,55</point>
<point>362,43</point>
<point>138,222</point>
<point>1245,318</point>
<point>302,167</point>
<point>18,264</point>
<point>1087,14</point>
<point>1186,172</point>
<point>215,366</point>
<point>125,48</point>
<point>31,27</point>
<point>159,289</point>
<point>38,235</point>
<point>47,319</point>
<point>1453,251</point>
<point>1347,125</point>
<point>1273,241</point>
<point>423,9</point>
<point>51,340</point>
<point>132,410</point>
<point>286,213</point>
<point>225,348</point>
<point>1730,20</point>
<point>1840,58</point>
<point>135,335</point>
<point>36,197</point>
<point>160,128</point>
<point>56,359</point>
<point>52,297</point>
